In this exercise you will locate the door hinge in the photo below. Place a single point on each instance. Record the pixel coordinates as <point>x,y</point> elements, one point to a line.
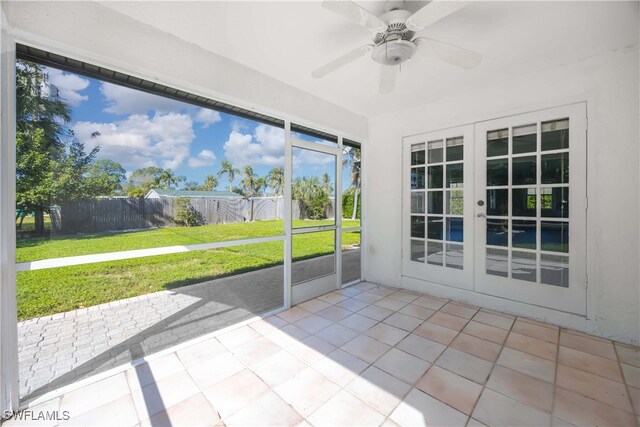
<point>586,203</point>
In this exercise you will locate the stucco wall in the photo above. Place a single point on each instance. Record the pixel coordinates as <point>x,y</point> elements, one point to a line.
<point>609,85</point>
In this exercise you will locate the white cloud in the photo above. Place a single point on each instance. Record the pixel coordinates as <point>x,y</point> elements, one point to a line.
<point>69,86</point>
<point>206,117</point>
<point>205,158</point>
<point>268,148</point>
<point>122,100</point>
<point>141,141</point>
<point>207,154</point>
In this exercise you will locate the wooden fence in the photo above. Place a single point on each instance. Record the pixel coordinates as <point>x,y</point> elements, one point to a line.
<point>92,216</point>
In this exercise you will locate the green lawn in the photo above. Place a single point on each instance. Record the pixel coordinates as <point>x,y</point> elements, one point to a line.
<point>44,292</point>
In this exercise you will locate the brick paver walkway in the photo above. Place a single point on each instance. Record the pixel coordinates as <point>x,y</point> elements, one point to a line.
<point>58,350</point>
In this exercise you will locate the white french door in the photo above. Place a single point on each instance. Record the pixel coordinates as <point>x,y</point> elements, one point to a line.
<point>521,205</point>
<point>438,206</point>
<point>531,229</point>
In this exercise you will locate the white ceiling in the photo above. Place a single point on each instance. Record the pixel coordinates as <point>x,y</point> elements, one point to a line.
<point>288,40</point>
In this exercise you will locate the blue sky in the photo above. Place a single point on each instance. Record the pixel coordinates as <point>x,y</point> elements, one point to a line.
<point>137,129</point>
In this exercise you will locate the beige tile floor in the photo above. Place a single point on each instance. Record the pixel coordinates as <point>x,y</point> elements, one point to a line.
<point>369,355</point>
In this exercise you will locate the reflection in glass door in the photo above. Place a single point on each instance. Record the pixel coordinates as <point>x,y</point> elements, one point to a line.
<point>531,208</point>
<point>313,219</point>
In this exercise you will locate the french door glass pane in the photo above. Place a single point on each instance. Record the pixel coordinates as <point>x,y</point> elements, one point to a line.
<point>434,253</point>
<point>497,232</point>
<point>455,175</point>
<point>455,230</point>
<point>523,202</point>
<point>554,202</point>
<point>417,202</point>
<point>523,266</point>
<point>455,256</point>
<point>555,168</point>
<point>417,226</point>
<point>434,227</point>
<point>435,151</point>
<point>498,143</point>
<point>434,202</point>
<point>497,262</point>
<point>523,234</point>
<point>554,270</point>
<point>498,202</point>
<point>497,172</point>
<point>455,202</point>
<point>524,170</point>
<point>455,149</point>
<point>417,250</point>
<point>555,236</point>
<point>555,135</point>
<point>435,177</point>
<point>417,178</point>
<point>417,155</point>
<point>524,139</point>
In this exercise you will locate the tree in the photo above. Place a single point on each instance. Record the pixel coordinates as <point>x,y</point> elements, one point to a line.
<point>167,179</point>
<point>249,181</point>
<point>351,158</point>
<point>260,185</point>
<point>226,168</point>
<point>50,164</point>
<point>275,180</point>
<point>191,185</point>
<point>210,183</point>
<point>142,180</point>
<point>70,182</point>
<point>106,177</point>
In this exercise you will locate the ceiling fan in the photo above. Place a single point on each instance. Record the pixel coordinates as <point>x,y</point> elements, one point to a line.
<point>394,40</point>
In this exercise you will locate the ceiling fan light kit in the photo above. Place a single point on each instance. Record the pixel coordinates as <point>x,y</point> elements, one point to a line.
<point>394,39</point>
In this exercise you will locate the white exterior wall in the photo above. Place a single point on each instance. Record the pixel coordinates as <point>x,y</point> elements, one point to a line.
<point>610,86</point>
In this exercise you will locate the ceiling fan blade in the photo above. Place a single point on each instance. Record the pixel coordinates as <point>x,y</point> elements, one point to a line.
<point>341,61</point>
<point>433,12</point>
<point>355,13</point>
<point>449,53</point>
<point>388,77</point>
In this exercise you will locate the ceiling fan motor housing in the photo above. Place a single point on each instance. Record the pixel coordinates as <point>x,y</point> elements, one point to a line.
<point>394,45</point>
<point>393,52</point>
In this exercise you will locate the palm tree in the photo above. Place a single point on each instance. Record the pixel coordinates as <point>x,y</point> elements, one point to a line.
<point>326,186</point>
<point>249,181</point>
<point>352,158</point>
<point>167,178</point>
<point>227,168</point>
<point>210,183</point>
<point>275,180</point>
<point>261,184</point>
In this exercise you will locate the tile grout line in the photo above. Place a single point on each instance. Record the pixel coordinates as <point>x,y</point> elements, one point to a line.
<point>627,386</point>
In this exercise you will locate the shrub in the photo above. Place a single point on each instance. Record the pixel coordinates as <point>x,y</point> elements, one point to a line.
<point>347,204</point>
<point>184,214</point>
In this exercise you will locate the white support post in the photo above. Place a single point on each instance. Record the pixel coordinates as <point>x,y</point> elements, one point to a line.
<point>9,388</point>
<point>338,214</point>
<point>288,165</point>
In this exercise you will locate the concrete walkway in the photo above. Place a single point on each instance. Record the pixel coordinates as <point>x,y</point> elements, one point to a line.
<point>58,350</point>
